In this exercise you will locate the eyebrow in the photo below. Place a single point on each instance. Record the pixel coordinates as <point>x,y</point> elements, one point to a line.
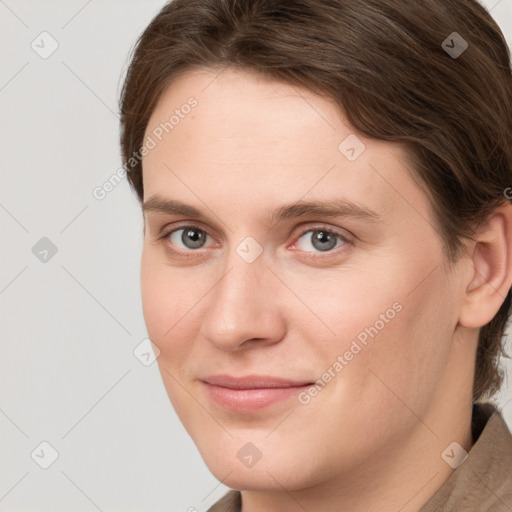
<point>329,208</point>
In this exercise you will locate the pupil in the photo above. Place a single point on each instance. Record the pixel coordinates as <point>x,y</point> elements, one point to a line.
<point>192,238</point>
<point>323,237</point>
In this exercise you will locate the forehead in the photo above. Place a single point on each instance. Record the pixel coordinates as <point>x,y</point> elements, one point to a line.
<point>245,110</point>
<point>254,138</point>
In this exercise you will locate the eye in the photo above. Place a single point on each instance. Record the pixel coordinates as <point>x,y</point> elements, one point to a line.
<point>321,239</point>
<point>190,237</point>
<point>317,239</point>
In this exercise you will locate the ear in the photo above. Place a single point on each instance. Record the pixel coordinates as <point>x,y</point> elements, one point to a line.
<point>492,269</point>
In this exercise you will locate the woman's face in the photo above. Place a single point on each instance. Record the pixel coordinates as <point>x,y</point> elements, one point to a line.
<point>252,293</point>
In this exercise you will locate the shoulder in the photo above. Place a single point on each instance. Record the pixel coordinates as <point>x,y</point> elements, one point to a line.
<point>230,502</point>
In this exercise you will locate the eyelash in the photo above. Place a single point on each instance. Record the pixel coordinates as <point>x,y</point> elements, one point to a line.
<point>347,241</point>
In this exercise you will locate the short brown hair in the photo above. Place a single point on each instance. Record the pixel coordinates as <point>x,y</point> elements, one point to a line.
<point>387,65</point>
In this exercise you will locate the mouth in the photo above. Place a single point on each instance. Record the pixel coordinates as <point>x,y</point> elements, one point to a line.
<point>251,392</point>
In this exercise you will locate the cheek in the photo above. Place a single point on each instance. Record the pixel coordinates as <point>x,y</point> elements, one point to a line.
<point>156,301</point>
<point>164,300</point>
<point>346,304</point>
<point>165,305</point>
<point>410,355</point>
<point>385,326</point>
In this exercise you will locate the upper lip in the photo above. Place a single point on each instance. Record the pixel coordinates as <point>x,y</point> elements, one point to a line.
<point>252,382</point>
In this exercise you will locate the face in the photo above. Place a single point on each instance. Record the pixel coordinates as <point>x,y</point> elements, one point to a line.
<point>292,280</point>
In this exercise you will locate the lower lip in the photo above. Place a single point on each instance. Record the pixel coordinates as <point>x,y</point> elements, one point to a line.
<point>247,400</point>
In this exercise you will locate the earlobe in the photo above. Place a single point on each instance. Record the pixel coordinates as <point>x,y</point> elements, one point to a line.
<point>492,269</point>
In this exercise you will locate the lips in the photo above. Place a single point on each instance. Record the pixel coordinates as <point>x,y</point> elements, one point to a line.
<point>251,392</point>
<point>253,382</point>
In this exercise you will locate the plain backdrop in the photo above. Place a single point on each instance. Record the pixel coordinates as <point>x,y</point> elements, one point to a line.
<point>74,396</point>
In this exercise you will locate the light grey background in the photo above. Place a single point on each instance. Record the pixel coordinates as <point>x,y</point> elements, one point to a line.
<point>70,325</point>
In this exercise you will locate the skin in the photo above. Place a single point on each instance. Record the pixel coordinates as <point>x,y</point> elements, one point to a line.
<point>372,438</point>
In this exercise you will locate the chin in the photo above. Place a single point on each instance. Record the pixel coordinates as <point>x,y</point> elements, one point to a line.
<point>246,465</point>
<point>257,478</point>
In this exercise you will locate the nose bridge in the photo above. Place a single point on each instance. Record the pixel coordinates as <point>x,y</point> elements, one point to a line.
<point>245,272</point>
<point>239,289</point>
<point>242,305</point>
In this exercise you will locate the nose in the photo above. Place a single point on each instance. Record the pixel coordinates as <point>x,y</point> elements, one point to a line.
<point>243,307</point>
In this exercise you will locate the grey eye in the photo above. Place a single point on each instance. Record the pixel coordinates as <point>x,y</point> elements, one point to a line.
<point>320,239</point>
<point>191,237</point>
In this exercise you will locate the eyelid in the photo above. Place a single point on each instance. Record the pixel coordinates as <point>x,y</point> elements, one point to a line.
<point>168,229</point>
<point>343,233</point>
